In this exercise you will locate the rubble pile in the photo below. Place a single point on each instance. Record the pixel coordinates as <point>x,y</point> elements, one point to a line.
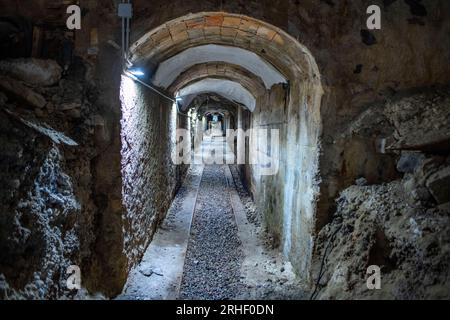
<point>402,225</point>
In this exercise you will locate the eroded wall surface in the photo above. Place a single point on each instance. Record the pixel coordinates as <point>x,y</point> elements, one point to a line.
<point>401,226</point>
<point>50,213</point>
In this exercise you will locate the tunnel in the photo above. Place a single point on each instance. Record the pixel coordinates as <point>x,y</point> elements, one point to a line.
<point>224,150</point>
<point>268,94</point>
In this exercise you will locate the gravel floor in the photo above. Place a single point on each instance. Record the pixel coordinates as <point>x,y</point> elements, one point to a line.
<point>217,266</point>
<point>158,274</point>
<point>214,256</point>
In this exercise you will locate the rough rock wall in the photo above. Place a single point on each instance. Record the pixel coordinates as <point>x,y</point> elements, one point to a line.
<point>367,66</point>
<point>47,201</point>
<point>378,225</point>
<point>39,210</point>
<point>150,178</point>
<point>45,23</point>
<point>402,226</point>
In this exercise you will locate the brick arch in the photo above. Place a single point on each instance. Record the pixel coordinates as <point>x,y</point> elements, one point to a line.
<point>220,70</point>
<point>269,42</point>
<point>202,103</point>
<point>231,90</point>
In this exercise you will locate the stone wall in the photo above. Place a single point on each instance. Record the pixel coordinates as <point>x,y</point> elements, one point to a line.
<point>150,178</point>
<point>40,213</point>
<point>48,204</point>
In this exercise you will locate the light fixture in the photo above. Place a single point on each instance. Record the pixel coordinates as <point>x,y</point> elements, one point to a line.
<point>136,72</point>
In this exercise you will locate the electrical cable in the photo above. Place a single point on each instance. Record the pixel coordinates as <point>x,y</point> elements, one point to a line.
<point>319,277</point>
<point>157,91</point>
<point>148,86</point>
<point>123,41</point>
<point>125,47</point>
<point>127,38</point>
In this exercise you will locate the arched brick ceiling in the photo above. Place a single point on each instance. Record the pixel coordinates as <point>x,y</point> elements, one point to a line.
<point>204,103</point>
<point>270,43</point>
<point>220,70</point>
<point>171,68</point>
<point>263,50</point>
<point>228,89</point>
